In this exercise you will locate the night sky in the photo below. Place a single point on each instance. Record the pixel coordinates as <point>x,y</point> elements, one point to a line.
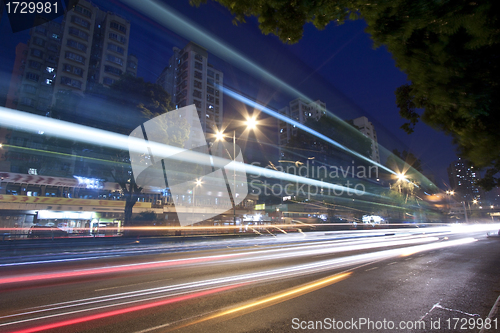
<point>337,65</point>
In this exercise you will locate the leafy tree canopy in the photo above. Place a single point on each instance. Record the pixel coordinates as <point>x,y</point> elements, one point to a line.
<point>449,49</point>
<point>120,108</point>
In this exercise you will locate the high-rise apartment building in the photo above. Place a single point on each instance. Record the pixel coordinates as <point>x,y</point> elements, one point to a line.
<point>17,75</point>
<point>463,178</point>
<point>367,128</point>
<point>190,79</point>
<point>89,47</point>
<point>300,111</point>
<point>37,85</point>
<point>109,60</point>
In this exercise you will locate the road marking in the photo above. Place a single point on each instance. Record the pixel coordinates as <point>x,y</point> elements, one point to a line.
<point>439,306</point>
<point>408,259</point>
<point>392,263</point>
<point>129,285</point>
<point>370,269</point>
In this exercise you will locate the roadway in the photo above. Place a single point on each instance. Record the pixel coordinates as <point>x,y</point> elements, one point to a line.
<point>445,275</point>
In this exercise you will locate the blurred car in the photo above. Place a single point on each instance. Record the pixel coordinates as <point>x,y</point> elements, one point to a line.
<point>42,231</point>
<point>493,234</point>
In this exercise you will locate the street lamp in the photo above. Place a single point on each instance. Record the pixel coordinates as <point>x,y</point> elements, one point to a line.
<point>197,183</point>
<point>251,124</point>
<point>219,136</point>
<point>401,177</point>
<point>449,193</point>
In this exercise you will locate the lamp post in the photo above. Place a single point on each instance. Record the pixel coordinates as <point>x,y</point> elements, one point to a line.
<point>197,183</point>
<point>450,193</point>
<point>401,178</point>
<point>251,124</point>
<point>465,212</point>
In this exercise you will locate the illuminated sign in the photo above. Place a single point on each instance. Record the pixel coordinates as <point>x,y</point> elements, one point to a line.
<point>47,214</point>
<point>92,183</point>
<point>260,207</point>
<point>374,219</point>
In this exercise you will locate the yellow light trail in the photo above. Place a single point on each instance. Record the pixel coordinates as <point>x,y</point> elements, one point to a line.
<point>275,299</point>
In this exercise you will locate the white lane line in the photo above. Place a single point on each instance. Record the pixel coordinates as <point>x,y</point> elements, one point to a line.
<point>370,269</point>
<point>392,263</point>
<point>130,285</point>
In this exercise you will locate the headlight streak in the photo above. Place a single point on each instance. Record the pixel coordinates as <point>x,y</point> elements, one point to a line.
<point>435,231</point>
<point>125,310</point>
<point>298,270</point>
<point>174,21</point>
<point>347,248</point>
<point>106,270</point>
<point>295,251</point>
<point>58,128</point>
<point>311,238</point>
<point>297,124</point>
<point>277,298</point>
<point>54,261</point>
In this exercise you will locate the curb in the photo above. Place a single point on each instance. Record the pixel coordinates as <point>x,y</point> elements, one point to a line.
<point>493,313</point>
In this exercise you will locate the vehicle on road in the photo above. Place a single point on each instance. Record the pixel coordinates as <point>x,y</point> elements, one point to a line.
<point>42,231</point>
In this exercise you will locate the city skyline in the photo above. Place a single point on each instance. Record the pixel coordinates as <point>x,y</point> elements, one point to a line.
<point>421,142</point>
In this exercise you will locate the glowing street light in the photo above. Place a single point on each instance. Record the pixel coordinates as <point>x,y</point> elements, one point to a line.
<point>219,136</point>
<point>251,123</point>
<point>401,177</point>
<point>197,183</point>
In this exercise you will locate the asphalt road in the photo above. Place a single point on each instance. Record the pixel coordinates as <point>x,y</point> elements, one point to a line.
<point>423,280</point>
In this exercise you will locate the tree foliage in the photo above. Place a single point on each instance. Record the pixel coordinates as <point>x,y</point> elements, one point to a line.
<point>150,100</point>
<point>134,101</point>
<point>450,51</point>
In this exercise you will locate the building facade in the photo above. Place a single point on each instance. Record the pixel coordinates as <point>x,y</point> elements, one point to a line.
<point>300,111</point>
<point>17,75</point>
<point>367,128</point>
<point>35,92</point>
<point>463,178</point>
<point>89,47</point>
<point>190,79</point>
